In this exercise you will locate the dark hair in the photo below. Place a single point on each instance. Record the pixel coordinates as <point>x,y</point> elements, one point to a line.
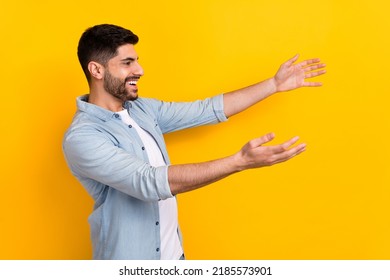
<point>100,43</point>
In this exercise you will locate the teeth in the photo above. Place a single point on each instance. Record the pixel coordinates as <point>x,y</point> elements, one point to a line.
<point>133,83</point>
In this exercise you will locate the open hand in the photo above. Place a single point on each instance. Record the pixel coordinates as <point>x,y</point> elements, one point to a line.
<point>254,154</point>
<point>291,76</point>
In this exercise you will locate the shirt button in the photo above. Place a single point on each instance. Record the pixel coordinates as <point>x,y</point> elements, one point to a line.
<point>116,115</point>
<point>143,148</point>
<point>157,223</point>
<point>158,249</point>
<point>130,126</point>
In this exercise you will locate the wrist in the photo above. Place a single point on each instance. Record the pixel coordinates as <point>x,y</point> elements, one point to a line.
<point>237,162</point>
<point>272,85</point>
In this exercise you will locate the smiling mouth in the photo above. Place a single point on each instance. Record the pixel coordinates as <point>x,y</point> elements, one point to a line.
<point>132,81</point>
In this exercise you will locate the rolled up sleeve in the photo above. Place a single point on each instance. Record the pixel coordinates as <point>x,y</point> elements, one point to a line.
<point>92,155</point>
<point>217,103</point>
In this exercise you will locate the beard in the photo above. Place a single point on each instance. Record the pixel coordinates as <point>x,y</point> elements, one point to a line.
<point>117,88</point>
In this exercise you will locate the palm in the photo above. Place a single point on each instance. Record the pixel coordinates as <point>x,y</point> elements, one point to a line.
<point>290,76</point>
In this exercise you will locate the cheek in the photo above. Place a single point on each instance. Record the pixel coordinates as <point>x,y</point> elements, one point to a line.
<point>123,73</point>
<point>119,72</point>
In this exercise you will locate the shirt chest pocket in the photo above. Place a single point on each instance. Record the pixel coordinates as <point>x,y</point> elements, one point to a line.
<point>128,145</point>
<point>131,144</point>
<point>124,141</point>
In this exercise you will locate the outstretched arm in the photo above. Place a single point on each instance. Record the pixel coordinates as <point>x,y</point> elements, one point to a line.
<point>290,76</point>
<point>187,177</point>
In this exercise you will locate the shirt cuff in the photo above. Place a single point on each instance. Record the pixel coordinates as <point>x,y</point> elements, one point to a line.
<point>218,108</point>
<point>163,189</point>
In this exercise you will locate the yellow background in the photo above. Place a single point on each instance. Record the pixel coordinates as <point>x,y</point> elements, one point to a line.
<point>332,202</point>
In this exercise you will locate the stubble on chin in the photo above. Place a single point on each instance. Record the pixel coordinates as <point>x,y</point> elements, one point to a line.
<point>131,96</point>
<point>118,89</point>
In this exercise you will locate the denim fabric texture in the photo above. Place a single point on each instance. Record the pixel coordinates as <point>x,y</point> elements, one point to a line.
<point>109,160</point>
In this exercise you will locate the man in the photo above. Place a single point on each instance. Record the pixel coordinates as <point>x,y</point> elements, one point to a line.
<point>115,146</point>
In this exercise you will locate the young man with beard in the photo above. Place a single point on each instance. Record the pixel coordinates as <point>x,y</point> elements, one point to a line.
<point>115,146</point>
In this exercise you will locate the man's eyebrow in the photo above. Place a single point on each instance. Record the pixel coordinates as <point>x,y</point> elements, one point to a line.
<point>130,59</point>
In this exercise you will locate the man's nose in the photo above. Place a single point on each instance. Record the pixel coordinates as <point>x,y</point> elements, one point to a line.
<point>139,71</point>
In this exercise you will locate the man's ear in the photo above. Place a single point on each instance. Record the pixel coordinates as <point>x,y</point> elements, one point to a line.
<point>96,70</point>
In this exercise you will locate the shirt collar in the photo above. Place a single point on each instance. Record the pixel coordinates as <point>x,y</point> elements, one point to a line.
<point>94,110</point>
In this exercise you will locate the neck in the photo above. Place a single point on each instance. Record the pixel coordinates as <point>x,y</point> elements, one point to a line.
<point>98,96</point>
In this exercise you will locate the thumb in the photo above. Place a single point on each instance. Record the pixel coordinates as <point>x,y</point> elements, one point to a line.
<point>291,60</point>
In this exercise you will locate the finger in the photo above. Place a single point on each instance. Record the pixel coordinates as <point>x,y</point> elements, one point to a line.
<point>261,140</point>
<point>290,142</point>
<point>312,84</point>
<point>284,146</point>
<point>314,74</point>
<point>290,62</point>
<point>314,67</point>
<point>289,153</point>
<point>308,62</point>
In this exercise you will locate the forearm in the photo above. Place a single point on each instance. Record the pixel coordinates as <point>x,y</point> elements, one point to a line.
<point>290,76</point>
<point>239,100</point>
<point>188,177</point>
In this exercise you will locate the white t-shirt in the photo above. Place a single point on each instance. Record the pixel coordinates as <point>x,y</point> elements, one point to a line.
<point>170,243</point>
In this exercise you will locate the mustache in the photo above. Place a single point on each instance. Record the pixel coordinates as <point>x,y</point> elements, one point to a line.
<point>132,78</point>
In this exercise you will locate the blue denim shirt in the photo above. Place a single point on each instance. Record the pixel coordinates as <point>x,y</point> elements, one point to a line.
<point>109,160</point>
